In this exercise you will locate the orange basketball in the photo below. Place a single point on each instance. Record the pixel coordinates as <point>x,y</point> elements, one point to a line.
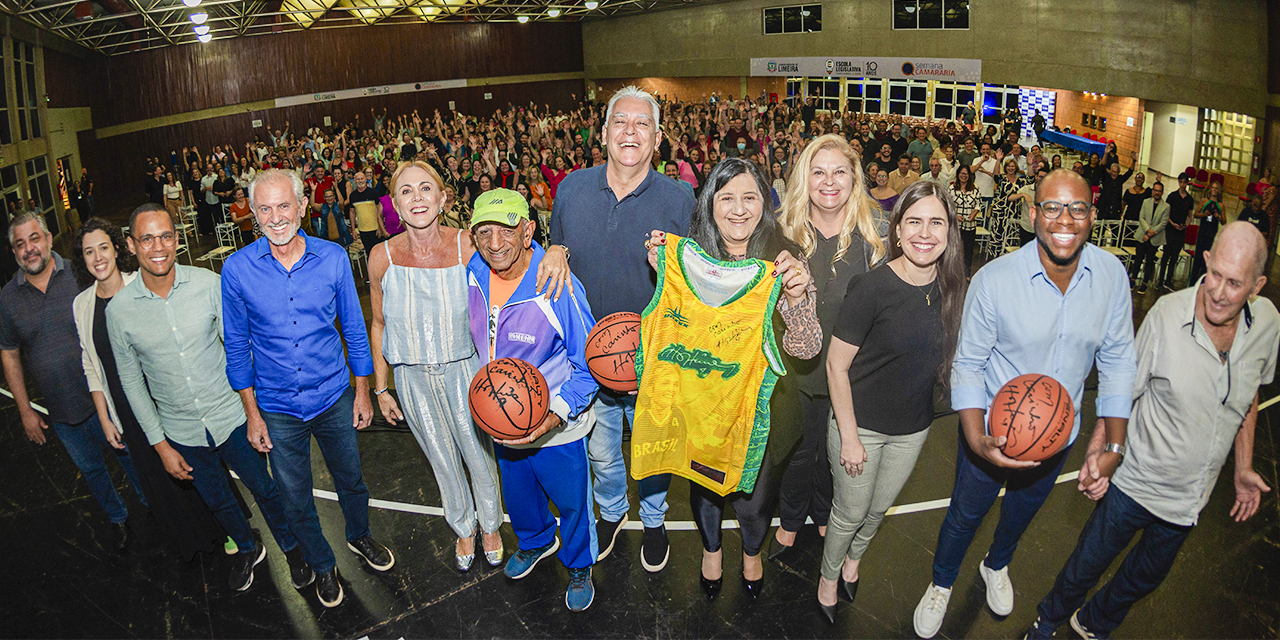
<point>611,350</point>
<point>509,398</point>
<point>1035,413</point>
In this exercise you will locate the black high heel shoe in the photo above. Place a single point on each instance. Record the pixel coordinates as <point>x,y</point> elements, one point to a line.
<point>711,587</point>
<point>850,589</point>
<point>829,610</point>
<point>753,587</point>
<point>779,551</point>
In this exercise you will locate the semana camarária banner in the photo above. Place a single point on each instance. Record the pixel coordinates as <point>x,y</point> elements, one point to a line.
<point>346,94</point>
<point>957,69</point>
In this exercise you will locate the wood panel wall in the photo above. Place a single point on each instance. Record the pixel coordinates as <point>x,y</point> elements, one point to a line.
<point>67,80</point>
<point>117,162</point>
<point>192,77</point>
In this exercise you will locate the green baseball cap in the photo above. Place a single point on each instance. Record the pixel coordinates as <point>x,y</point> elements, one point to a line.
<point>502,206</point>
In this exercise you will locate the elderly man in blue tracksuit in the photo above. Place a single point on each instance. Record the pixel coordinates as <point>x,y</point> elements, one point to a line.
<point>510,320</point>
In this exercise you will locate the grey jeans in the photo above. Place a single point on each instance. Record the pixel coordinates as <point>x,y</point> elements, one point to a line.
<point>859,504</point>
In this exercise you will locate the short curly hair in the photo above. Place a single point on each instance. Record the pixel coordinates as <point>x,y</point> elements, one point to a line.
<point>125,261</point>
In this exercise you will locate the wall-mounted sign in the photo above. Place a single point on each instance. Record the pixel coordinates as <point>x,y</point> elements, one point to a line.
<point>257,124</point>
<point>958,69</point>
<point>488,96</point>
<point>362,92</point>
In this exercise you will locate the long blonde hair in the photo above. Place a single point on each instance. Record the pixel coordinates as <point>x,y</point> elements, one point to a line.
<point>857,211</point>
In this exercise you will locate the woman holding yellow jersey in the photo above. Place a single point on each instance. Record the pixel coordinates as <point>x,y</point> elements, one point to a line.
<point>733,225</point>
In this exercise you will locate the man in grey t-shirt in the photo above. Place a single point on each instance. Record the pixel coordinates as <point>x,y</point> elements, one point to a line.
<point>1202,354</point>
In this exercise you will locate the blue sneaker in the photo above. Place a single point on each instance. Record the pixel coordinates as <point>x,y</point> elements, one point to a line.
<point>581,591</point>
<point>522,562</point>
<point>1040,630</point>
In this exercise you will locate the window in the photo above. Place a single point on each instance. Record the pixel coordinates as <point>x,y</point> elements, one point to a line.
<point>864,95</point>
<point>39,188</point>
<point>908,97</point>
<point>6,135</point>
<point>1226,142</point>
<point>930,14</point>
<point>9,189</point>
<point>805,18</point>
<point>825,93</point>
<point>996,98</point>
<point>950,99</point>
<point>24,85</point>
<point>795,91</point>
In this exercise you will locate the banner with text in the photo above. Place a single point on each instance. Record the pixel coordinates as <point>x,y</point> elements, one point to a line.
<point>956,69</point>
<point>386,89</point>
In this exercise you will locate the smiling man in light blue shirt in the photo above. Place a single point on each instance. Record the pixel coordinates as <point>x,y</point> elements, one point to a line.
<point>1057,306</point>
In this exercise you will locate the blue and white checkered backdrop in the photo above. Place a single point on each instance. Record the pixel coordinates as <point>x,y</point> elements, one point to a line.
<point>1031,99</point>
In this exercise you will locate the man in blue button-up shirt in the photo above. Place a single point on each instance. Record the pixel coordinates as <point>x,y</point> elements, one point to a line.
<point>1056,306</point>
<point>281,296</point>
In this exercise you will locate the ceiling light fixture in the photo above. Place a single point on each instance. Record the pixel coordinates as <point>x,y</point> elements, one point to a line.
<point>591,5</point>
<point>553,13</point>
<point>522,19</point>
<point>191,3</point>
<point>199,17</point>
<point>201,29</point>
<point>205,38</point>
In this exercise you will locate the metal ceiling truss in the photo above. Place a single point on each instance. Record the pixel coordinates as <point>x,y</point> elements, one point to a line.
<point>115,27</point>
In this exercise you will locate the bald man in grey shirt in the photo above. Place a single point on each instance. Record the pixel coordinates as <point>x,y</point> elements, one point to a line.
<point>1202,354</point>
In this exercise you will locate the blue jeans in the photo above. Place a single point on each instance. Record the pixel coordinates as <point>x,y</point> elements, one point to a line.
<point>978,484</point>
<point>291,465</point>
<point>322,229</point>
<point>84,444</point>
<point>604,448</point>
<point>532,479</point>
<point>214,487</point>
<point>1114,522</point>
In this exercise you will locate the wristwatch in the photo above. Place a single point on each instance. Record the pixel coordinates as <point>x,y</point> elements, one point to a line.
<point>1116,448</point>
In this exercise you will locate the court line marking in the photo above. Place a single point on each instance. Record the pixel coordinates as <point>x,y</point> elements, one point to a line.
<point>677,525</point>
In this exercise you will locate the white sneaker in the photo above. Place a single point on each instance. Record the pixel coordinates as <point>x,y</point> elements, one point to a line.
<point>931,610</point>
<point>999,589</point>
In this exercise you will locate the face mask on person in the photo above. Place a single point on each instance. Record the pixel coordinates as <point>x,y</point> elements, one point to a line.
<point>742,146</point>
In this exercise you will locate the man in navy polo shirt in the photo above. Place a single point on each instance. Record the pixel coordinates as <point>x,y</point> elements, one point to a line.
<point>603,215</point>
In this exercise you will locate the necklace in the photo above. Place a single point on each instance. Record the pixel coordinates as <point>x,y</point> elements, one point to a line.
<point>927,293</point>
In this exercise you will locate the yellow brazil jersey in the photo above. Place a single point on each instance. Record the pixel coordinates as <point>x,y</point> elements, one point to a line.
<point>707,366</point>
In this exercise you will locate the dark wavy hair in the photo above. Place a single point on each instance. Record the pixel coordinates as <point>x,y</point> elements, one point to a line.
<point>951,270</point>
<point>125,261</point>
<point>765,242</point>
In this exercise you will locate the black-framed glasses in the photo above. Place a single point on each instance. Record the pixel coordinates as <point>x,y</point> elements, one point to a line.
<point>1051,209</point>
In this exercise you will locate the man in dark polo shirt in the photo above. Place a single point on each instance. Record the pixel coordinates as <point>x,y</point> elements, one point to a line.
<point>1175,233</point>
<point>603,215</point>
<point>37,329</point>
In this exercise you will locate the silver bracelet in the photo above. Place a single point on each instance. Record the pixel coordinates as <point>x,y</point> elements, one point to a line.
<point>381,391</point>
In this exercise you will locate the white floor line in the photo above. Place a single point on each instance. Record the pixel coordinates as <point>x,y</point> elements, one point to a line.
<point>678,525</point>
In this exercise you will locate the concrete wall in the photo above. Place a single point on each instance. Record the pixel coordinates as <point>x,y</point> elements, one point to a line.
<point>63,126</point>
<point>696,89</point>
<point>1173,145</point>
<point>1209,53</point>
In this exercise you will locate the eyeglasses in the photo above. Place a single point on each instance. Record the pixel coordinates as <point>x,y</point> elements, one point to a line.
<point>1051,210</point>
<point>167,239</point>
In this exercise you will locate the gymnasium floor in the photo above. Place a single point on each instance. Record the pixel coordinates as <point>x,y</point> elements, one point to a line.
<point>66,581</point>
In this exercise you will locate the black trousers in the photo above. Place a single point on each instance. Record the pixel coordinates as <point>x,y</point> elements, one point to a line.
<point>752,510</point>
<point>1144,261</point>
<point>806,482</point>
<point>1173,241</point>
<point>970,239</point>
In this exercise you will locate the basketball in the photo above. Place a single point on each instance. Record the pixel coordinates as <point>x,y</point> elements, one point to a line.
<point>1035,413</point>
<point>611,351</point>
<point>509,398</point>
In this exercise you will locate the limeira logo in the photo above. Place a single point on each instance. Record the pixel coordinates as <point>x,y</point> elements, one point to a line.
<point>699,360</point>
<point>773,66</point>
